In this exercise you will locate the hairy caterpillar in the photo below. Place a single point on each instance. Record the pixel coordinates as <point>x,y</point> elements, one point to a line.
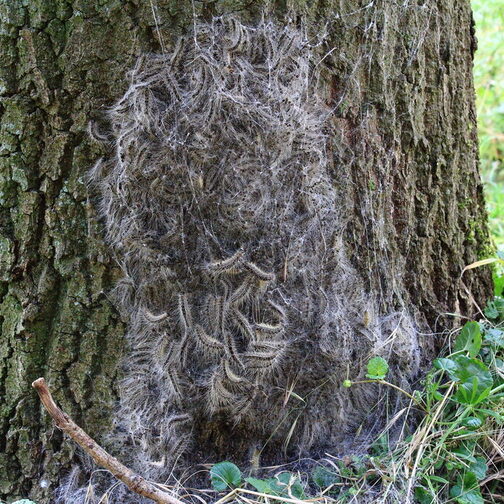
<point>242,293</point>
<point>230,347</point>
<point>258,272</point>
<point>154,318</point>
<point>174,385</point>
<point>280,311</point>
<point>260,359</point>
<point>227,265</point>
<point>231,375</point>
<point>269,328</point>
<point>218,395</point>
<point>266,346</point>
<point>184,313</point>
<point>174,421</point>
<point>206,341</point>
<point>243,324</point>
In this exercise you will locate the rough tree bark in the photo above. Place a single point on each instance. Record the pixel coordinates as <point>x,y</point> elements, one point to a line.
<point>399,78</point>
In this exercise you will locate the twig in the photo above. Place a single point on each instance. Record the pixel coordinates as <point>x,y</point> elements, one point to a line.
<point>133,481</point>
<point>497,475</point>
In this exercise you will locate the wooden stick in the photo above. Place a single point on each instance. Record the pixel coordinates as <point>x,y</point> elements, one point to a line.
<point>132,480</point>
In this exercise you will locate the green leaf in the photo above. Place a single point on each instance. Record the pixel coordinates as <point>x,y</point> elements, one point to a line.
<point>475,380</point>
<point>279,485</point>
<point>465,453</point>
<point>499,366</point>
<point>261,485</point>
<point>433,477</point>
<point>495,308</point>
<point>225,475</point>
<point>286,481</point>
<point>479,468</point>
<point>498,284</point>
<point>494,337</point>
<point>377,368</point>
<point>472,422</point>
<point>492,413</point>
<point>381,445</point>
<point>467,490</point>
<point>469,339</point>
<point>448,365</point>
<point>323,477</point>
<point>423,496</point>
<point>466,496</point>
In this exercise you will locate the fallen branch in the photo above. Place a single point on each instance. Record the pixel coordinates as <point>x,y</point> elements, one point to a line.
<point>132,480</point>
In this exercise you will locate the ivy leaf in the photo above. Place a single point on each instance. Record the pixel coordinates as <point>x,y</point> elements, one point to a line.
<point>377,368</point>
<point>469,339</point>
<point>224,475</point>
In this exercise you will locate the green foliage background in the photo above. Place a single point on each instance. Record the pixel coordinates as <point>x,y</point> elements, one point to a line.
<point>489,81</point>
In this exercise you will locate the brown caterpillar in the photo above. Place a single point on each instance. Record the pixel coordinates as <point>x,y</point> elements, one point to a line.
<point>269,329</point>
<point>205,340</point>
<point>278,310</point>
<point>260,359</point>
<point>239,409</point>
<point>243,324</point>
<point>154,318</point>
<point>227,265</point>
<point>231,375</point>
<point>258,272</point>
<point>184,312</point>
<point>95,133</point>
<point>166,351</point>
<point>266,346</point>
<point>218,395</point>
<point>242,293</point>
<point>231,348</point>
<point>212,312</point>
<point>173,382</point>
<point>216,313</point>
<point>175,420</point>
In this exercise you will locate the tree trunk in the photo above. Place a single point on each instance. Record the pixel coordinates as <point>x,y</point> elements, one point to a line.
<point>406,195</point>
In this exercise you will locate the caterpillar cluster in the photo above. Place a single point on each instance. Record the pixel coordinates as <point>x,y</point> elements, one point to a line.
<point>217,146</point>
<point>222,207</point>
